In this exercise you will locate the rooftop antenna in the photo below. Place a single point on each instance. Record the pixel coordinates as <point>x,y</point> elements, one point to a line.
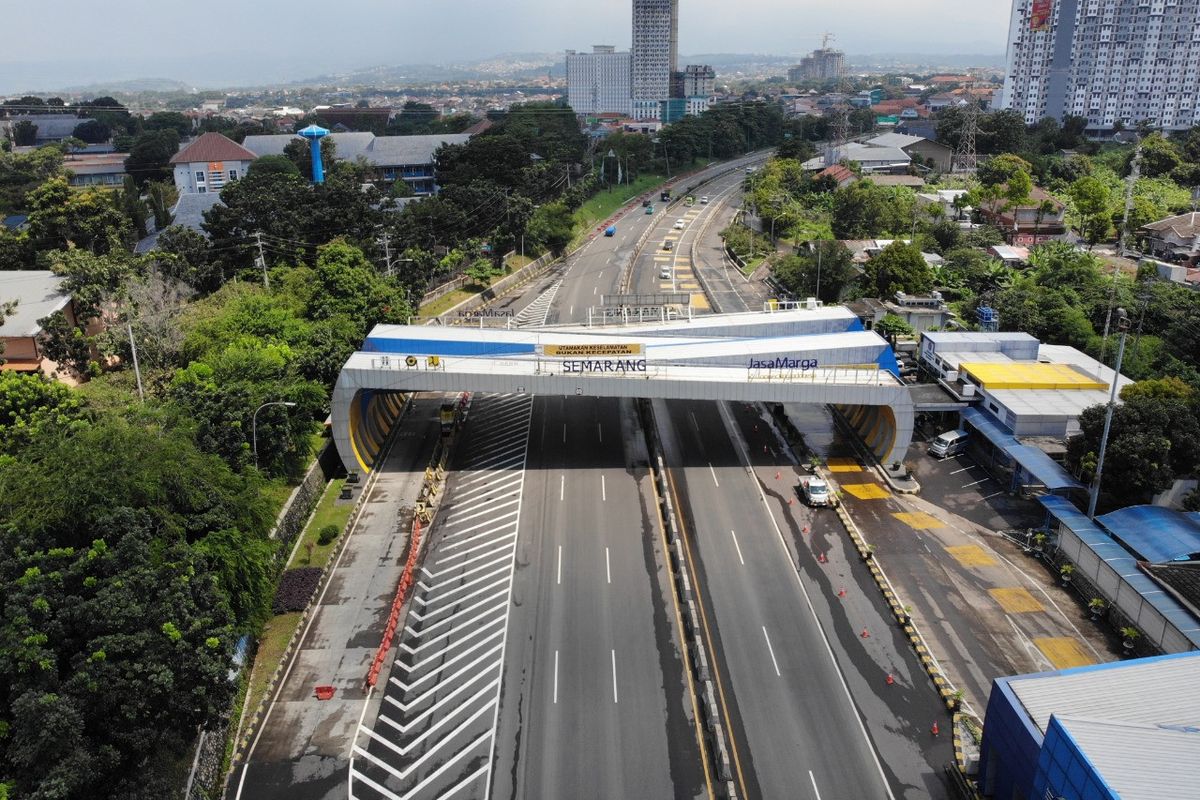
<point>314,134</point>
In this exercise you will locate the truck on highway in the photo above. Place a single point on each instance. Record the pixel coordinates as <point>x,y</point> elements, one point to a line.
<point>814,490</point>
<point>446,414</point>
<point>665,195</point>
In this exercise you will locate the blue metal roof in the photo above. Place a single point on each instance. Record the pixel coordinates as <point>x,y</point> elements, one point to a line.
<point>1042,467</point>
<point>1156,534</point>
<point>1123,563</point>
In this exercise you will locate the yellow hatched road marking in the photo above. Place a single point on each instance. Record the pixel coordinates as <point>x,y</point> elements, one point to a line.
<point>919,520</point>
<point>1016,600</point>
<point>699,300</point>
<point>866,491</point>
<point>1064,652</point>
<point>843,464</point>
<point>971,555</point>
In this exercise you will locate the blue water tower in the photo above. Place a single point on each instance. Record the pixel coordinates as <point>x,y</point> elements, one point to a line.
<point>314,134</point>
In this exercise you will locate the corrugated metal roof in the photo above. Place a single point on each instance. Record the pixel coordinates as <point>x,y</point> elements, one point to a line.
<point>1139,762</point>
<point>38,294</point>
<point>1155,533</point>
<point>1148,691</point>
<point>1043,468</point>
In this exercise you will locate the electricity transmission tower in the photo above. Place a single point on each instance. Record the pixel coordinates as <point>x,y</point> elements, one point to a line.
<point>966,159</point>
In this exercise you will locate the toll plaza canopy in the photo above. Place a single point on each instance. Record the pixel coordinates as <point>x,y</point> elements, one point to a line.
<point>809,355</point>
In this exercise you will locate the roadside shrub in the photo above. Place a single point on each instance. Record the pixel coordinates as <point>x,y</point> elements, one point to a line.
<point>327,534</point>
<point>296,589</point>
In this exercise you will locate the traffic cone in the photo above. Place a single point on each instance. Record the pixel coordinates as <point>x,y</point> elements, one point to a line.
<point>865,634</point>
<point>934,729</point>
<point>890,679</point>
<point>842,592</point>
<point>789,501</point>
<point>776,476</point>
<point>805,529</point>
<point>821,558</point>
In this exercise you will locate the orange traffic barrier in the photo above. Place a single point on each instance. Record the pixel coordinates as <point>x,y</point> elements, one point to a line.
<point>324,692</point>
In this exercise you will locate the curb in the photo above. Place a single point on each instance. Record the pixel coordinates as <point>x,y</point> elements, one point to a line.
<point>869,457</point>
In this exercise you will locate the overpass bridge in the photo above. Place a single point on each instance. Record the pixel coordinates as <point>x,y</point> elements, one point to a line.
<point>803,355</point>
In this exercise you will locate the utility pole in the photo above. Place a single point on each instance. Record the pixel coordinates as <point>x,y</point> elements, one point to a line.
<point>137,371</point>
<point>1135,172</point>
<point>262,259</point>
<point>1094,493</point>
<point>819,269</point>
<point>386,241</point>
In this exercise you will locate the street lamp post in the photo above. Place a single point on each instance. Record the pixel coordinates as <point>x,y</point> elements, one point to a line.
<point>254,424</point>
<point>1094,493</point>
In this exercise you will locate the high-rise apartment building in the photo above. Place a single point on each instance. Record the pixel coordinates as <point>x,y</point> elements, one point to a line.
<point>1107,60</point>
<point>598,82</point>
<point>819,65</point>
<point>654,55</point>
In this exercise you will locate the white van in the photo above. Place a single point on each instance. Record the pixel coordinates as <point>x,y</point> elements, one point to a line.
<point>948,444</point>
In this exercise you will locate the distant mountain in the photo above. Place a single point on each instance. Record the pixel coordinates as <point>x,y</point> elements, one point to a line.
<point>129,86</point>
<point>924,61</point>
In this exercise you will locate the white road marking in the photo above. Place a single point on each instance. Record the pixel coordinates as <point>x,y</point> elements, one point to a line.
<point>600,431</point>
<point>964,469</point>
<point>816,791</point>
<point>556,677</point>
<point>714,474</point>
<point>771,650</point>
<point>738,548</point>
<point>562,488</point>
<point>976,483</point>
<point>571,313</point>
<point>990,496</point>
<point>564,433</point>
<point>560,564</point>
<point>603,490</point>
<point>614,666</point>
<point>601,276</point>
<point>595,289</point>
<point>607,565</point>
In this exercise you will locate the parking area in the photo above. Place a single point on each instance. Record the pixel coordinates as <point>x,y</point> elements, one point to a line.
<point>984,607</point>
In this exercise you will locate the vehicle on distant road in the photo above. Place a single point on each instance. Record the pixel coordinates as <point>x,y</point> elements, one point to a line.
<point>665,195</point>
<point>649,209</point>
<point>668,245</point>
<point>645,202</point>
<point>446,417</point>
<point>704,200</point>
<point>665,273</point>
<point>949,443</point>
<point>815,491</point>
<point>679,224</point>
<point>611,230</point>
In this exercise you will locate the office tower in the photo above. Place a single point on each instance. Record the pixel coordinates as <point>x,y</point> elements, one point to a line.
<point>654,55</point>
<point>1110,61</point>
<point>598,82</point>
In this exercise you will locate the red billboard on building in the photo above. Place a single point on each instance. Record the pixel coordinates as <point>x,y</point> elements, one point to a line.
<point>1039,15</point>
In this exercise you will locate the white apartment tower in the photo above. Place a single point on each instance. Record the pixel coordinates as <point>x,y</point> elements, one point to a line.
<point>598,82</point>
<point>1106,60</point>
<point>655,54</point>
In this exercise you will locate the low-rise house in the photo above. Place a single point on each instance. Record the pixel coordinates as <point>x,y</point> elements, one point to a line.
<point>840,173</point>
<point>936,154</point>
<point>1010,255</point>
<point>869,157</point>
<point>1174,238</point>
<point>38,294</point>
<point>1029,223</point>
<point>50,127</point>
<point>391,158</point>
<point>208,163</point>
<point>95,169</point>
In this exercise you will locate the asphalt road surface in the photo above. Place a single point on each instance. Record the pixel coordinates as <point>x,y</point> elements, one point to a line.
<point>797,729</point>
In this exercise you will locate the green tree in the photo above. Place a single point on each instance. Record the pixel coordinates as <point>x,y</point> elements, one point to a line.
<point>24,133</point>
<point>90,220</point>
<point>150,156</point>
<point>33,405</point>
<point>279,165</point>
<point>551,227</point>
<point>92,131</point>
<point>1091,198</point>
<point>184,256</point>
<point>169,121</point>
<point>827,261</point>
<point>899,267</point>
<point>892,327</point>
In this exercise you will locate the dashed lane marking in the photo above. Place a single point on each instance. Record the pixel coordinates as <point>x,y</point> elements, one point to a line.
<point>1064,652</point>
<point>971,555</point>
<point>1016,600</point>
<point>866,491</point>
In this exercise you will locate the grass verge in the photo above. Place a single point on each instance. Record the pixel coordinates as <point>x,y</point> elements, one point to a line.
<point>328,512</point>
<point>274,640</point>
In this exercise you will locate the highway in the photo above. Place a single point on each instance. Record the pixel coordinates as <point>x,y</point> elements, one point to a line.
<point>800,733</point>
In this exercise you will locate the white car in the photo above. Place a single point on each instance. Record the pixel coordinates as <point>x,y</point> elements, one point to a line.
<point>704,200</point>
<point>665,274</point>
<point>679,224</point>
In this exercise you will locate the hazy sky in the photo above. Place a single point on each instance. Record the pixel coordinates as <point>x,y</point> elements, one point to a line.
<point>212,42</point>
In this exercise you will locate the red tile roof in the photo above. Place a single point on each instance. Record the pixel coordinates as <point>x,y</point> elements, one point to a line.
<point>212,147</point>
